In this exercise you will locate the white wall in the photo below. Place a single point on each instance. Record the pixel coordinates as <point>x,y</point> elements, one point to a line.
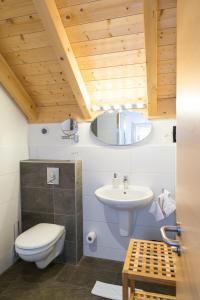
<point>13,148</point>
<point>151,163</point>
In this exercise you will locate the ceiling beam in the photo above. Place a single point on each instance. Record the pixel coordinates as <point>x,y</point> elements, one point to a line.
<point>50,16</point>
<point>151,43</point>
<point>16,90</point>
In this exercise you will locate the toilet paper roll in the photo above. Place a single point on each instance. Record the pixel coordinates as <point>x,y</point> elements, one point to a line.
<point>91,237</point>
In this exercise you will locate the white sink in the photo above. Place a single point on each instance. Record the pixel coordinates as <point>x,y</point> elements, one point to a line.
<point>136,196</point>
<point>125,201</point>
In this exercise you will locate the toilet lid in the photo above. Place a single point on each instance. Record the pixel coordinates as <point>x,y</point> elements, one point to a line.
<point>39,236</point>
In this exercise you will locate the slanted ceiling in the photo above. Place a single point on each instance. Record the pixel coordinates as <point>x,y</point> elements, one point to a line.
<point>121,52</point>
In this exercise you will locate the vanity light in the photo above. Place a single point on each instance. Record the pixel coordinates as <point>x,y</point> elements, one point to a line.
<point>96,108</point>
<point>128,106</point>
<point>106,107</point>
<point>140,105</point>
<point>119,107</point>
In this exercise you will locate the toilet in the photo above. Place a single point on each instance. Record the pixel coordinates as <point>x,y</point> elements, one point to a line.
<point>41,243</point>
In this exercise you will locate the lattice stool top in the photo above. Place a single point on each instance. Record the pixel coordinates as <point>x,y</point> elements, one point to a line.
<point>141,295</point>
<point>150,261</point>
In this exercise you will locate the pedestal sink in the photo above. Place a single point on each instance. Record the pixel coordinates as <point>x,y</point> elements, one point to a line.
<point>125,201</point>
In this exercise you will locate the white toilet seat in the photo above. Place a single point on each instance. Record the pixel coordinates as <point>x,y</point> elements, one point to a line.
<point>39,236</point>
<point>33,251</point>
<point>41,243</point>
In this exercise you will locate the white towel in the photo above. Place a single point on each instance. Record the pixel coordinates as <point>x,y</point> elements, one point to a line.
<point>164,206</point>
<point>156,211</point>
<point>106,290</point>
<point>169,204</point>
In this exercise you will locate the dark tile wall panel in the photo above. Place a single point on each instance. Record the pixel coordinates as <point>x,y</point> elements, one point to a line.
<point>37,200</point>
<point>59,204</point>
<point>79,210</point>
<point>79,224</point>
<point>70,226</point>
<point>64,201</point>
<point>29,219</point>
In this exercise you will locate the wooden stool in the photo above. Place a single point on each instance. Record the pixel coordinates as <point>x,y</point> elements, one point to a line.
<point>148,261</point>
<point>141,295</point>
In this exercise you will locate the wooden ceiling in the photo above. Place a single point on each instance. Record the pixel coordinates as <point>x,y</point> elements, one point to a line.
<point>59,58</point>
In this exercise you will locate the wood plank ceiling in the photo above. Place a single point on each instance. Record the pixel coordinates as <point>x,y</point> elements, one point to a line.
<point>107,38</point>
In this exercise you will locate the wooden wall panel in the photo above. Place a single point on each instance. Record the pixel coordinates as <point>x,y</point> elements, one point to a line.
<point>51,89</point>
<point>167,79</point>
<point>99,10</point>
<point>109,45</point>
<point>20,25</point>
<point>166,91</point>
<point>167,18</point>
<point>16,90</point>
<point>113,84</point>
<point>24,42</point>
<point>167,4</point>
<point>37,68</point>
<point>65,3</point>
<point>29,52</point>
<point>167,108</point>
<point>151,42</point>
<point>167,37</point>
<point>137,70</point>
<point>166,53</point>
<point>167,57</point>
<point>167,66</point>
<point>108,40</point>
<point>43,79</point>
<point>106,28</point>
<point>112,59</point>
<point>53,100</point>
<point>12,8</point>
<point>44,54</point>
<point>120,96</point>
<point>54,114</point>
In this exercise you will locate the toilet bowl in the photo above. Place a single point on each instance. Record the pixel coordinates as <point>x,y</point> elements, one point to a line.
<point>41,243</point>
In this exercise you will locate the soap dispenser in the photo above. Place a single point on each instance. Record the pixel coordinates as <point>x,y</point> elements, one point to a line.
<point>115,181</point>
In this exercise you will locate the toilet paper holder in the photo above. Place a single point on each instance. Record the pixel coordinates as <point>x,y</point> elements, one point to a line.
<point>91,237</point>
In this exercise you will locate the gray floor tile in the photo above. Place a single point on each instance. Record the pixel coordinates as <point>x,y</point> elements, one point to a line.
<point>87,277</point>
<point>102,264</point>
<point>66,273</point>
<point>3,286</point>
<point>24,281</point>
<point>13,273</point>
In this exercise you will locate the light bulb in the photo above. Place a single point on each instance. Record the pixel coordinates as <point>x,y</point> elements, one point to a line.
<point>95,108</point>
<point>106,107</point>
<point>128,105</point>
<point>116,106</point>
<point>140,105</point>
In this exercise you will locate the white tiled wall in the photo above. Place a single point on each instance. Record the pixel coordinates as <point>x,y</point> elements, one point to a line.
<point>150,163</point>
<point>13,148</point>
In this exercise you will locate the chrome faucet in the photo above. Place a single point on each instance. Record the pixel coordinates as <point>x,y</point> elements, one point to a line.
<point>125,183</point>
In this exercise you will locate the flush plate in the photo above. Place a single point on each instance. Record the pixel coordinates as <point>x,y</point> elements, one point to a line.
<point>52,175</point>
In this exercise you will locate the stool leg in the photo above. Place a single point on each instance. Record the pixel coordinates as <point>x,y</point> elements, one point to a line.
<point>125,286</point>
<point>132,288</point>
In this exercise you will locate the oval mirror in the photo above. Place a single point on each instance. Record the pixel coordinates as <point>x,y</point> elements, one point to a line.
<point>121,127</point>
